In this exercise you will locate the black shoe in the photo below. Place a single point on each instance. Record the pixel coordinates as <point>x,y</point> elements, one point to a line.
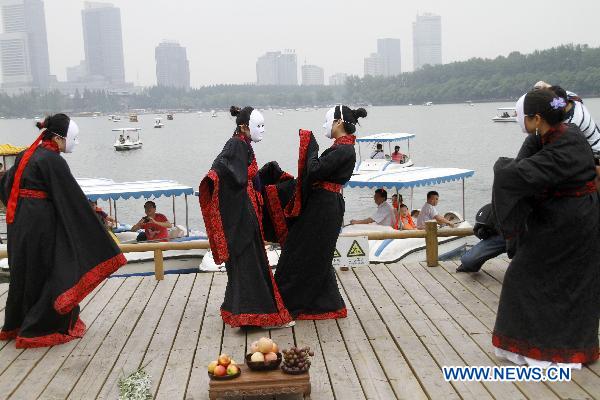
<point>462,268</point>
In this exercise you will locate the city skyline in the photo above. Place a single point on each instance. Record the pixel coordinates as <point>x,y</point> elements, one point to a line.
<point>226,53</point>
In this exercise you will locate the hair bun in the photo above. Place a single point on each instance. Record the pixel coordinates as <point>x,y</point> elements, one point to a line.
<point>235,111</point>
<point>359,113</point>
<point>41,124</point>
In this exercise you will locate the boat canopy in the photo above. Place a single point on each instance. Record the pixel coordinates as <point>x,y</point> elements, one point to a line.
<point>105,189</point>
<point>126,129</point>
<point>506,109</point>
<point>386,137</point>
<point>409,177</point>
<point>10,150</point>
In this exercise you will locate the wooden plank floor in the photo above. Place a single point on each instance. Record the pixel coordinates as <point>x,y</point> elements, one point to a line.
<point>405,321</point>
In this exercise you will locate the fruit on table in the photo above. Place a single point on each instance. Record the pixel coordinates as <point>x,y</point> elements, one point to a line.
<point>257,357</point>
<point>224,360</point>
<point>270,357</point>
<point>220,370</point>
<point>232,369</point>
<point>265,345</point>
<point>254,347</point>
<point>212,366</point>
<point>297,359</point>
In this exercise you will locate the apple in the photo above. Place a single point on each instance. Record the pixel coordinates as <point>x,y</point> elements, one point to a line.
<point>212,366</point>
<point>265,345</point>
<point>224,360</point>
<point>232,369</point>
<point>270,357</point>
<point>254,347</point>
<point>220,371</point>
<point>258,356</point>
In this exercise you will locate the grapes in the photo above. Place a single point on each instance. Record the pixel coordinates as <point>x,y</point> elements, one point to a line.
<point>296,359</point>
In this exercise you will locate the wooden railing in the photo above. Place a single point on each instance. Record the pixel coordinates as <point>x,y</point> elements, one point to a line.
<point>430,234</point>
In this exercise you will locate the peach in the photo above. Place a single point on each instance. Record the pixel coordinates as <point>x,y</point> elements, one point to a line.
<point>275,348</point>
<point>265,345</point>
<point>270,357</point>
<point>220,370</point>
<point>258,356</point>
<point>212,366</point>
<point>224,360</point>
<point>254,347</point>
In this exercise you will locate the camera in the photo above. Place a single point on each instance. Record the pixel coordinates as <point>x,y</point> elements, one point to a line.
<point>146,219</point>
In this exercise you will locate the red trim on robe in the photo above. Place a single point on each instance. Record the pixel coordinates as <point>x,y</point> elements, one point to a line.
<point>11,206</point>
<point>88,282</point>
<point>526,349</point>
<point>588,188</point>
<point>293,207</point>
<point>33,194</point>
<point>346,139</point>
<point>329,186</point>
<point>211,212</point>
<point>343,313</point>
<point>276,212</point>
<point>554,133</point>
<point>9,335</point>
<point>76,332</point>
<point>285,177</point>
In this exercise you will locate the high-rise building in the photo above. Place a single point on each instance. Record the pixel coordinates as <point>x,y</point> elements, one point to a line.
<point>374,65</point>
<point>312,75</point>
<point>24,45</point>
<point>338,79</point>
<point>427,40</point>
<point>389,50</point>
<point>77,73</point>
<point>172,66</point>
<point>277,68</point>
<point>103,41</point>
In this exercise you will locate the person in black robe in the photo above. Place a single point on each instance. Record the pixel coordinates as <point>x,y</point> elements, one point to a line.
<point>231,206</point>
<point>548,209</point>
<point>305,274</point>
<point>58,251</point>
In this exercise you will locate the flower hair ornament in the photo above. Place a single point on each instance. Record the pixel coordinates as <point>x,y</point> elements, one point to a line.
<point>558,103</point>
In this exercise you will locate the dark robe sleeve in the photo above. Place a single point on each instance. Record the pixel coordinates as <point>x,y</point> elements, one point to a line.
<point>85,254</point>
<point>226,209</point>
<point>321,168</point>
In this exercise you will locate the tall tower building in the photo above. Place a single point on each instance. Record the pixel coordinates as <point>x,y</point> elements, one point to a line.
<point>24,45</point>
<point>312,75</point>
<point>103,41</point>
<point>389,50</point>
<point>277,68</point>
<point>427,40</point>
<point>172,66</point>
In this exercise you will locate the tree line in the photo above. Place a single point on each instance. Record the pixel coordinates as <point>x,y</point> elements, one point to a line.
<point>574,67</point>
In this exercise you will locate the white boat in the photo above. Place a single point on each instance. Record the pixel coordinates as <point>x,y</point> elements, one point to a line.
<point>365,164</point>
<point>213,114</point>
<point>111,191</point>
<point>127,139</point>
<point>114,118</point>
<point>506,114</point>
<point>158,122</point>
<point>428,104</point>
<point>392,250</point>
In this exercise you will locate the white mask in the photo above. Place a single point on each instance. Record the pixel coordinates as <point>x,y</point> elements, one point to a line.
<point>520,106</point>
<point>329,118</point>
<point>257,126</point>
<point>72,138</point>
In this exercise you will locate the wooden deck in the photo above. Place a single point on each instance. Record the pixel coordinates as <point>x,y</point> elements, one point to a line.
<point>404,323</point>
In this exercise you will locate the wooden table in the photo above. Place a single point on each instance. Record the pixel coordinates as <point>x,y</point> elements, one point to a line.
<point>260,383</point>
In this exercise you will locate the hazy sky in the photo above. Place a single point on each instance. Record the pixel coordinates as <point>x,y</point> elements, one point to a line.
<point>224,38</point>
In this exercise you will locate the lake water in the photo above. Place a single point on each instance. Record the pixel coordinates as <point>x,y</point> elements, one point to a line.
<point>454,135</point>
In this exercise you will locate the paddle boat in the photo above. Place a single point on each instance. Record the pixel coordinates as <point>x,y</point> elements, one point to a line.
<point>169,117</point>
<point>392,250</point>
<point>108,190</point>
<point>128,139</point>
<point>365,164</point>
<point>506,114</point>
<point>133,117</point>
<point>158,122</point>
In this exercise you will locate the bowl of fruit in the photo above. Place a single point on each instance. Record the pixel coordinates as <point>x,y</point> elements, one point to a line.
<point>223,368</point>
<point>296,361</point>
<point>264,355</point>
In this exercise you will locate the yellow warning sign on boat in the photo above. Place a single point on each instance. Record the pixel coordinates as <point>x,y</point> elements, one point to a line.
<point>356,250</point>
<point>336,254</point>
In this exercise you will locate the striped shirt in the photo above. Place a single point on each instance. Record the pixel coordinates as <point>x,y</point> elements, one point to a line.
<point>580,116</point>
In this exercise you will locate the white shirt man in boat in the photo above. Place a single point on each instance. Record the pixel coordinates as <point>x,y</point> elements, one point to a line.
<point>385,213</point>
<point>378,154</point>
<point>428,212</point>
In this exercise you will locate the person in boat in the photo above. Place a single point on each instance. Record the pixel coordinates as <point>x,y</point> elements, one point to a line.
<point>107,220</point>
<point>155,225</point>
<point>505,114</point>
<point>405,221</point>
<point>429,212</point>
<point>383,216</point>
<point>397,156</point>
<point>378,153</point>
<point>121,139</point>
<point>415,214</point>
<point>491,243</point>
<point>548,310</point>
<point>305,274</point>
<point>58,250</point>
<point>231,205</point>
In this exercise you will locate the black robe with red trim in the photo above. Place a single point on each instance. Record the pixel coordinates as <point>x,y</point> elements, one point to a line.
<point>232,212</point>
<point>58,252</point>
<point>305,274</point>
<point>549,211</point>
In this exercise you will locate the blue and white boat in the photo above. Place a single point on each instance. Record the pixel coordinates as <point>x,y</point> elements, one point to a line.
<point>366,146</point>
